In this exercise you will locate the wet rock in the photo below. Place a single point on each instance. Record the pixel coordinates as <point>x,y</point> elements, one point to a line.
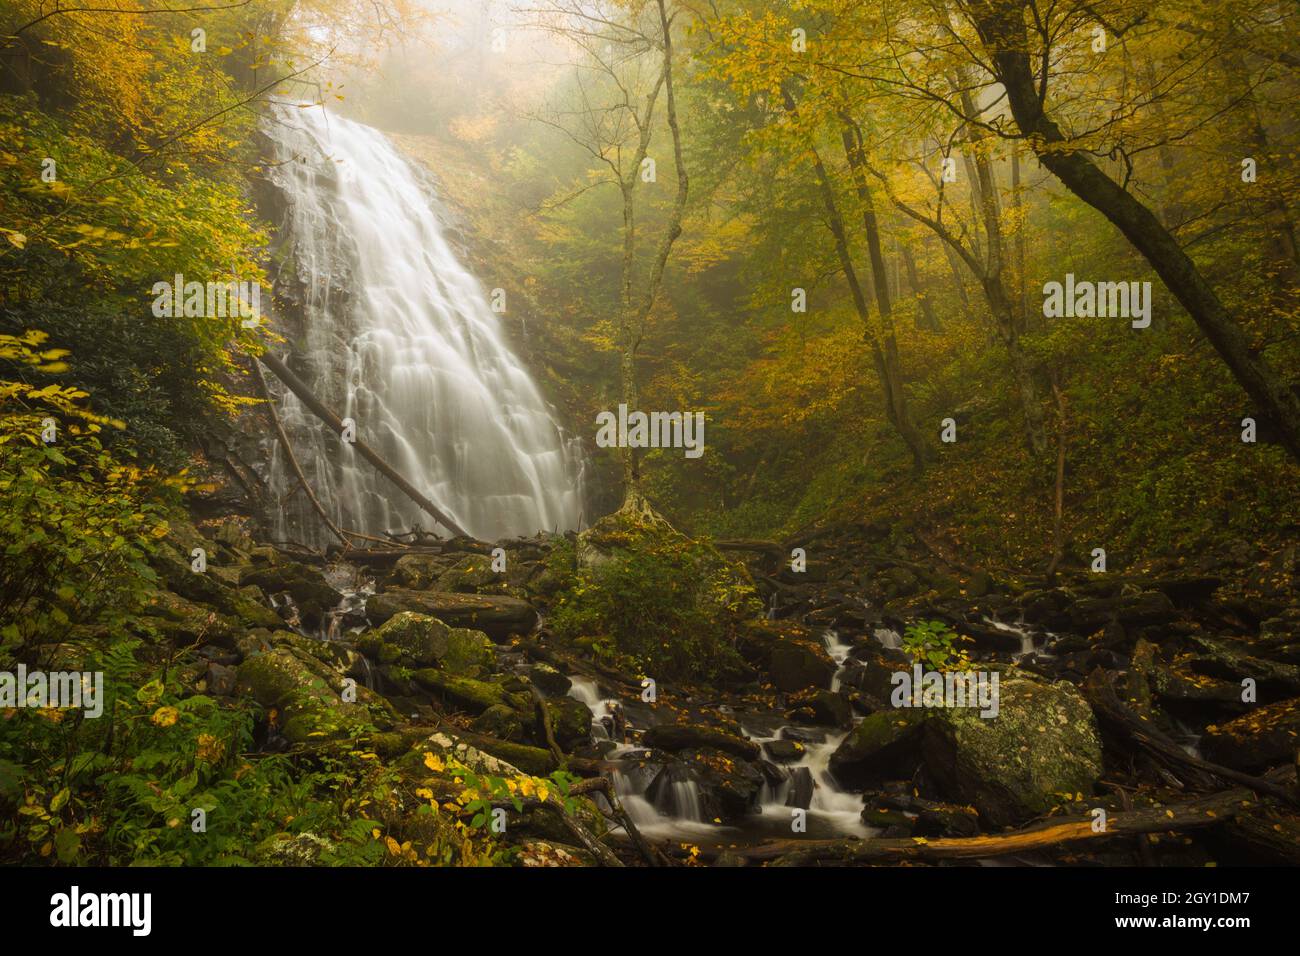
<point>674,737</point>
<point>307,586</point>
<point>499,721</point>
<point>801,788</point>
<point>729,786</point>
<point>946,820</point>
<point>885,745</point>
<point>414,640</point>
<point>548,680</point>
<point>796,666</point>
<point>785,751</point>
<point>496,615</point>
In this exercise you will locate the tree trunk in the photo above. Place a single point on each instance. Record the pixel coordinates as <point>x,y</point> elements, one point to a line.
<point>1001,27</point>
<point>928,320</point>
<point>299,388</point>
<point>892,364</point>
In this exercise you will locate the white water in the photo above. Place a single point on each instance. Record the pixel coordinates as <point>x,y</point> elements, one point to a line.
<point>400,337</point>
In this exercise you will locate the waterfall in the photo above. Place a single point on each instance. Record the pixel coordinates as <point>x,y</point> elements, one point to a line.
<point>396,334</point>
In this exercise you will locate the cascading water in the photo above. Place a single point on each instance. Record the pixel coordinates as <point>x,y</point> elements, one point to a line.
<point>398,336</point>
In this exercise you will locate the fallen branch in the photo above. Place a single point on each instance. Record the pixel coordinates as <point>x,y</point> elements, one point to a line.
<point>293,459</point>
<point>603,786</point>
<point>299,388</point>
<point>1202,812</point>
<point>1114,713</point>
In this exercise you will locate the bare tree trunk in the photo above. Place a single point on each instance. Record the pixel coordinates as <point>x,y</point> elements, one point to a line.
<point>299,388</point>
<point>928,320</point>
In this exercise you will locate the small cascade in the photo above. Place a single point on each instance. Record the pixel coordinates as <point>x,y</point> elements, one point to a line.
<point>888,637</point>
<point>1030,642</point>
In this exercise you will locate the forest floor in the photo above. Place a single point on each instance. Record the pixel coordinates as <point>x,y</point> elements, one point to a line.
<point>1137,718</point>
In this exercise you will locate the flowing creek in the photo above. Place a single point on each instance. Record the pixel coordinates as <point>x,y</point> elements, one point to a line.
<point>665,802</point>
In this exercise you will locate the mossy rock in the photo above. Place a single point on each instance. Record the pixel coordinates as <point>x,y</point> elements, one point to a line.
<point>472,695</point>
<point>498,616</point>
<point>884,746</point>
<point>473,575</point>
<point>307,586</point>
<point>499,721</point>
<point>570,721</point>
<point>1041,748</point>
<point>183,621</point>
<point>306,693</point>
<point>417,571</point>
<point>413,640</point>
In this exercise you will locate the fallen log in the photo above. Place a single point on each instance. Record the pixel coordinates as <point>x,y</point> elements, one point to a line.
<point>299,388</point>
<point>293,459</point>
<point>1202,812</point>
<point>1114,714</point>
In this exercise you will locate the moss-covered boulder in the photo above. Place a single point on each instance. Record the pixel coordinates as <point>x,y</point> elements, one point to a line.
<point>675,737</point>
<point>496,615</point>
<point>419,640</point>
<point>499,721</point>
<point>417,571</point>
<point>473,575</point>
<point>306,694</point>
<point>570,721</point>
<point>307,586</point>
<point>884,746</point>
<point>1041,747</point>
<point>466,693</point>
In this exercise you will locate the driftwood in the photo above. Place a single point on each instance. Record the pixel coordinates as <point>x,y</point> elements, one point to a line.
<point>299,388</point>
<point>1202,812</point>
<point>292,458</point>
<point>603,786</point>
<point>1114,714</point>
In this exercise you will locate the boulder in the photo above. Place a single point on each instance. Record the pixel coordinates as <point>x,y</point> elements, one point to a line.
<point>1011,767</point>
<point>548,680</point>
<point>419,640</point>
<point>570,721</point>
<point>305,693</point>
<point>796,666</point>
<point>784,751</point>
<point>824,709</point>
<point>499,721</point>
<point>307,586</point>
<point>417,571</point>
<point>496,615</point>
<point>472,575</point>
<point>474,696</point>
<point>884,746</point>
<point>676,737</point>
